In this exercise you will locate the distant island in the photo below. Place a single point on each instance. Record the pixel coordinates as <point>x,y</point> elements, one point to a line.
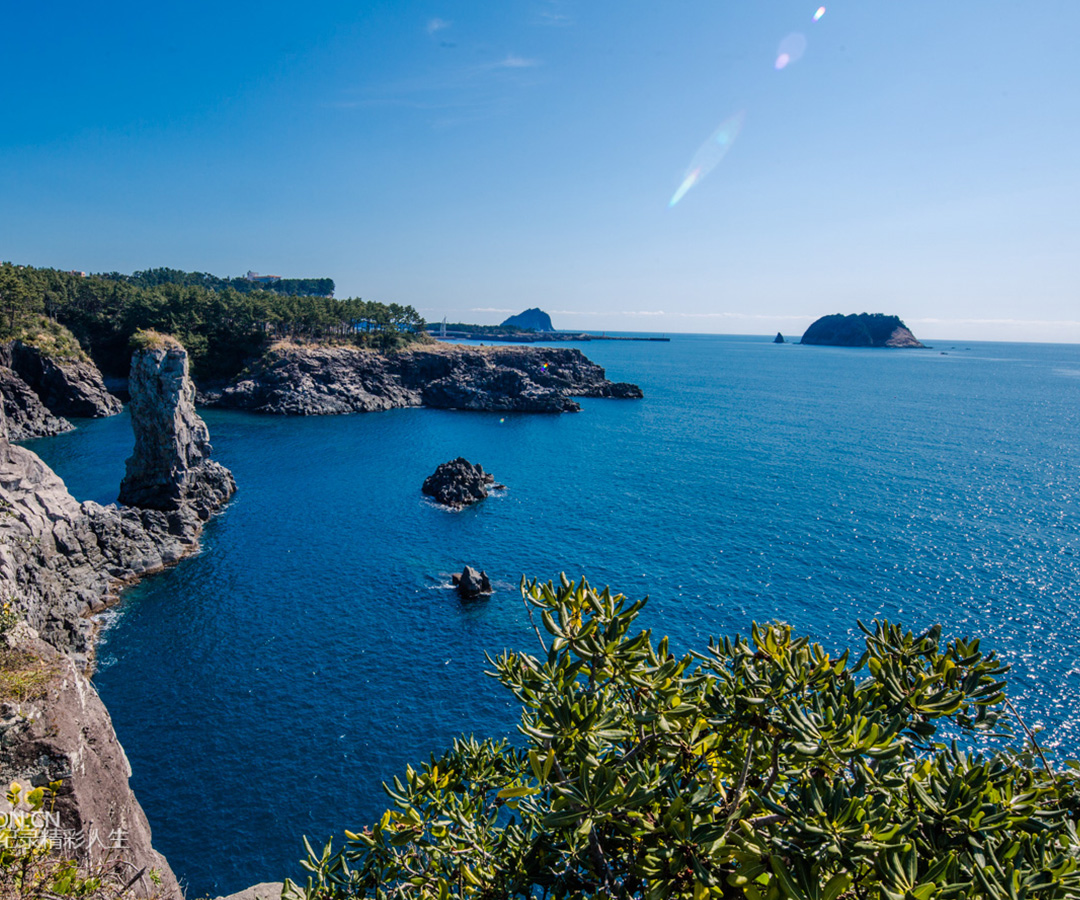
<point>525,328</point>
<point>862,330</point>
<point>534,319</point>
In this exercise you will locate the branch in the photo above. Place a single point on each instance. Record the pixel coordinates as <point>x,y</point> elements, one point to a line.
<point>1031,737</point>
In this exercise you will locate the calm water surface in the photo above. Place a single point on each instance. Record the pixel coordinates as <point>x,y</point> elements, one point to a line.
<point>264,689</point>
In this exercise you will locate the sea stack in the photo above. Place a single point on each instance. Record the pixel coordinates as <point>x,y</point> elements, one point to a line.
<point>171,466</point>
<point>779,339</point>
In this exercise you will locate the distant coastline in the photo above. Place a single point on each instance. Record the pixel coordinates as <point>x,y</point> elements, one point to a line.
<point>531,337</point>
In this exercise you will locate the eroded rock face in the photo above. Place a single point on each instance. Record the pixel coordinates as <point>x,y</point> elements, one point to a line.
<point>60,560</point>
<point>170,468</point>
<point>64,733</point>
<point>27,416</point>
<point>67,387</point>
<point>459,483</point>
<point>333,380</point>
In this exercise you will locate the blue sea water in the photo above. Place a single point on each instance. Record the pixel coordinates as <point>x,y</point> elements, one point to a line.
<point>266,688</point>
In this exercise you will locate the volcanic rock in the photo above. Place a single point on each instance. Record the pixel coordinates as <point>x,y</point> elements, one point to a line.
<point>27,416</point>
<point>293,380</point>
<point>171,466</point>
<point>471,583</point>
<point>67,387</point>
<point>459,483</point>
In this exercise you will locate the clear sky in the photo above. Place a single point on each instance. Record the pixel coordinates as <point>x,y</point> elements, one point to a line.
<point>474,159</point>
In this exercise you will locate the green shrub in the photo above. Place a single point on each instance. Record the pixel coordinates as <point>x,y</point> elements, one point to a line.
<point>760,768</point>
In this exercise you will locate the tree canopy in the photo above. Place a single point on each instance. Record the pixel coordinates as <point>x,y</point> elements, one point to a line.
<point>221,327</point>
<point>762,767</point>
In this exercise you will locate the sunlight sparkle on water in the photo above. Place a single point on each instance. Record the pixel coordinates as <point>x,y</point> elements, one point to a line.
<point>709,154</point>
<point>820,12</point>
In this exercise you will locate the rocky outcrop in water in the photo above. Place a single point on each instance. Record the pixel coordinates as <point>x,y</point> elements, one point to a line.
<point>459,483</point>
<point>329,380</point>
<point>27,416</point>
<point>471,583</point>
<point>171,467</point>
<point>862,330</point>
<point>779,339</point>
<point>67,387</point>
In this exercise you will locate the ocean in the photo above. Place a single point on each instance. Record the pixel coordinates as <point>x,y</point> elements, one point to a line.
<point>266,688</point>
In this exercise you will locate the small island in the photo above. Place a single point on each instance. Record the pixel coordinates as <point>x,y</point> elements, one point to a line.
<point>862,330</point>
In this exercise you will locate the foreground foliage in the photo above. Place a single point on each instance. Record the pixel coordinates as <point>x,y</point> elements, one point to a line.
<point>761,768</point>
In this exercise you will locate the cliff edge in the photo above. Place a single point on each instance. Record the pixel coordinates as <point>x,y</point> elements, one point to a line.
<point>61,560</point>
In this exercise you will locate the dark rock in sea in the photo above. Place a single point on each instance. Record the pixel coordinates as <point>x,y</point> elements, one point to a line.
<point>779,339</point>
<point>471,583</point>
<point>27,416</point>
<point>862,330</point>
<point>293,380</point>
<point>459,483</point>
<point>171,466</point>
<point>534,319</point>
<point>67,387</point>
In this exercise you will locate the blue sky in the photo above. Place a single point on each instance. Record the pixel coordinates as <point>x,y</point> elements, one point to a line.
<point>470,159</point>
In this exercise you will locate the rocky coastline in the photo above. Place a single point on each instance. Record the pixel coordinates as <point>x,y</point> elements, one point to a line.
<point>61,561</point>
<point>302,380</point>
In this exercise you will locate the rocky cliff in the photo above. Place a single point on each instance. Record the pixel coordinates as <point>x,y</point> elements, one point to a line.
<point>61,560</point>
<point>27,416</point>
<point>67,387</point>
<point>327,380</point>
<point>862,330</point>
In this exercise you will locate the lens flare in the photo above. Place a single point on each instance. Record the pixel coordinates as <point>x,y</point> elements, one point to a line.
<point>790,50</point>
<point>709,154</point>
<point>820,12</point>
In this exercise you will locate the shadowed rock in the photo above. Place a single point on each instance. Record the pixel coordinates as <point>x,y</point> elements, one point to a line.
<point>779,339</point>
<point>471,583</point>
<point>459,483</point>
<point>67,387</point>
<point>27,416</point>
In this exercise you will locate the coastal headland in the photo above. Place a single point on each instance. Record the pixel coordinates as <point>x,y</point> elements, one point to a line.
<point>293,379</point>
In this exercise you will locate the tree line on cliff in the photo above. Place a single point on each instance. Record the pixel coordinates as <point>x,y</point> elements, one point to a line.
<point>220,325</point>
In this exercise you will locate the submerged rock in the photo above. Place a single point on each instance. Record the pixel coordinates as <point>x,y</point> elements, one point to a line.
<point>67,387</point>
<point>471,583</point>
<point>459,483</point>
<point>27,416</point>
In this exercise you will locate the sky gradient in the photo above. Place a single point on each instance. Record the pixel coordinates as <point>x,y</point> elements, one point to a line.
<point>475,159</point>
